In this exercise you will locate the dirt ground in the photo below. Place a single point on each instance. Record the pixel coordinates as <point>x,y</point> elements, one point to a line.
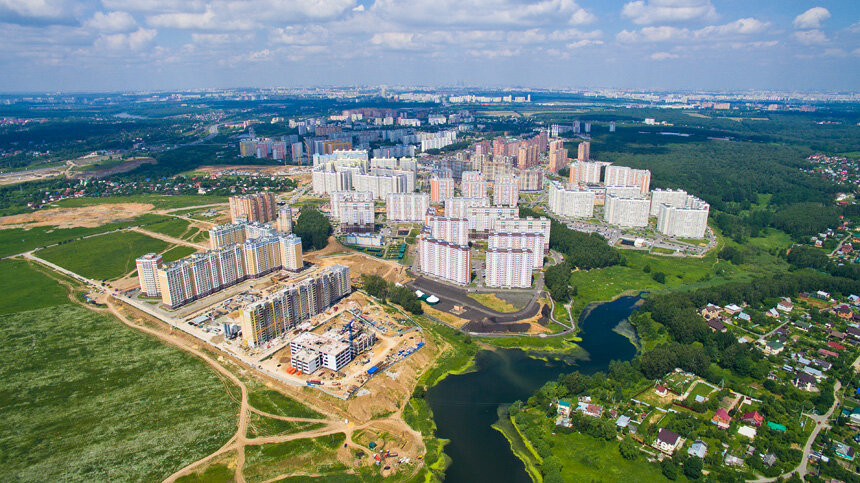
<point>86,217</point>
<point>358,263</point>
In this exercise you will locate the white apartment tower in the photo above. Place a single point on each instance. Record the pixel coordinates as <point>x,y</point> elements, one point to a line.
<point>626,176</point>
<point>146,274</point>
<point>445,260</point>
<point>506,190</point>
<point>453,230</point>
<point>509,268</point>
<point>572,202</point>
<point>406,206</point>
<point>473,185</point>
<point>528,241</point>
<point>585,172</point>
<point>669,197</point>
<point>689,220</point>
<point>629,212</point>
<point>457,207</point>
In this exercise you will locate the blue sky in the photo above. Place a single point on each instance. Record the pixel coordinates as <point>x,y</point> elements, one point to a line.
<point>92,45</point>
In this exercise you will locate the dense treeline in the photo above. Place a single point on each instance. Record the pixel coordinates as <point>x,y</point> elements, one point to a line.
<point>381,289</point>
<point>581,250</point>
<point>804,256</point>
<point>313,228</point>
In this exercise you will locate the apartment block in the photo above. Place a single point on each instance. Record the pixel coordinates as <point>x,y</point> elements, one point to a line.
<point>582,172</point>
<point>261,207</point>
<point>406,206</point>
<point>445,260</point>
<point>228,234</point>
<point>514,224</point>
<point>509,268</point>
<point>441,189</point>
<point>626,176</point>
<point>354,210</point>
<point>482,218</point>
<point>344,158</point>
<point>380,185</point>
<point>669,197</point>
<point>627,212</point>
<point>408,174</point>
<point>530,179</point>
<point>506,190</point>
<point>689,220</point>
<point>528,241</point>
<point>453,230</point>
<point>457,207</point>
<point>473,185</point>
<point>573,201</point>
<point>284,223</point>
<point>281,311</point>
<point>584,151</point>
<point>146,273</point>
<point>557,155</point>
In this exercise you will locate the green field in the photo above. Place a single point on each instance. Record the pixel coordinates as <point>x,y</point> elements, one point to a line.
<point>18,240</point>
<point>103,257</point>
<point>177,252</point>
<point>159,202</point>
<point>273,402</point>
<point>85,398</point>
<point>171,227</point>
<point>259,426</point>
<point>313,455</point>
<point>493,302</point>
<point>24,288</point>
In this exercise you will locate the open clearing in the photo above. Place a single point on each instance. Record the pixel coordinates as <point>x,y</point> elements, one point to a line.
<point>359,264</point>
<point>103,257</point>
<point>85,217</point>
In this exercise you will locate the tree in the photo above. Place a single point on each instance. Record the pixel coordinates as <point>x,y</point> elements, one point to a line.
<point>659,277</point>
<point>628,449</point>
<point>375,285</point>
<point>669,469</point>
<point>313,228</point>
<point>693,468</point>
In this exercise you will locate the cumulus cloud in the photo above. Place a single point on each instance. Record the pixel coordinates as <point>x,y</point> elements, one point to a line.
<point>482,12</point>
<point>583,43</point>
<point>663,33</point>
<point>134,41</point>
<point>743,26</point>
<point>646,12</point>
<point>37,12</point>
<point>666,33</point>
<point>810,37</point>
<point>394,40</point>
<point>114,22</point>
<point>812,18</point>
<point>663,56</point>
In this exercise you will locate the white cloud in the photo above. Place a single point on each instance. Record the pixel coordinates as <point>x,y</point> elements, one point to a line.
<point>663,33</point>
<point>114,22</point>
<point>855,27</point>
<point>663,56</point>
<point>812,18</point>
<point>359,8</point>
<point>36,12</point>
<point>810,37</point>
<point>135,41</point>
<point>835,52</point>
<point>394,40</point>
<point>482,12</point>
<point>300,35</point>
<point>583,43</point>
<point>219,38</point>
<point>743,26</point>
<point>646,12</point>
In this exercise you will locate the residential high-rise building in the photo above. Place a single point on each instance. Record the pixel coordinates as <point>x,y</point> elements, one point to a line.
<point>453,230</point>
<point>259,207</point>
<point>441,189</point>
<point>291,252</point>
<point>357,158</point>
<point>530,179</point>
<point>584,151</point>
<point>585,172</point>
<point>146,273</point>
<point>354,210</point>
<point>514,224</point>
<point>445,260</point>
<point>330,146</point>
<point>380,185</point>
<point>612,126</point>
<point>509,268</point>
<point>327,179</point>
<point>284,222</point>
<point>628,212</point>
<point>626,176</point>
<point>669,197</point>
<point>482,218</point>
<point>528,241</point>
<point>473,185</point>
<point>572,202</point>
<point>688,220</point>
<point>228,234</point>
<point>280,312</point>
<point>406,206</point>
<point>557,155</point>
<point>457,207</point>
<point>506,190</point>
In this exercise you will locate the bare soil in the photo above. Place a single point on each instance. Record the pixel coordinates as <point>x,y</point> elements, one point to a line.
<point>85,217</point>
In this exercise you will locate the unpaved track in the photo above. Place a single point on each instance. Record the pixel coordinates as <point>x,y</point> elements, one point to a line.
<point>170,239</point>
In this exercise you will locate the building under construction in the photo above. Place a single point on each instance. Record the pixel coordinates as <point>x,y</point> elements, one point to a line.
<point>331,350</point>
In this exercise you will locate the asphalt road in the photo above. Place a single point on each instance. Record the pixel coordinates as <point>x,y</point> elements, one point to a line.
<point>450,296</point>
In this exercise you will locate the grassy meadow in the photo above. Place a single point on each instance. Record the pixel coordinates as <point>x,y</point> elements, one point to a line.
<point>103,257</point>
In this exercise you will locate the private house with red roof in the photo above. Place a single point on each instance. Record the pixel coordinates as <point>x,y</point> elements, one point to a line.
<point>753,418</point>
<point>836,346</point>
<point>722,419</point>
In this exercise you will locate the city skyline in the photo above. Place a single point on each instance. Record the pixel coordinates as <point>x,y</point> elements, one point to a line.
<point>108,45</point>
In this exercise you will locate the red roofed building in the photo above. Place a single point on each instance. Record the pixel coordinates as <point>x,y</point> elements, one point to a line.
<point>836,346</point>
<point>826,352</point>
<point>753,418</point>
<point>661,390</point>
<point>721,419</point>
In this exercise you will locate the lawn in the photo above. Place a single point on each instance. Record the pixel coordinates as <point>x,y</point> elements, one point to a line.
<point>85,398</point>
<point>159,202</point>
<point>177,252</point>
<point>103,257</point>
<point>18,240</point>
<point>313,455</point>
<point>493,302</point>
<point>25,288</point>
<point>700,389</point>
<point>171,227</point>
<point>273,402</point>
<point>259,426</point>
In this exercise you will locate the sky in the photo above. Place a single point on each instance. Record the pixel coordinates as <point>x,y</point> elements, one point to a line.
<point>125,45</point>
